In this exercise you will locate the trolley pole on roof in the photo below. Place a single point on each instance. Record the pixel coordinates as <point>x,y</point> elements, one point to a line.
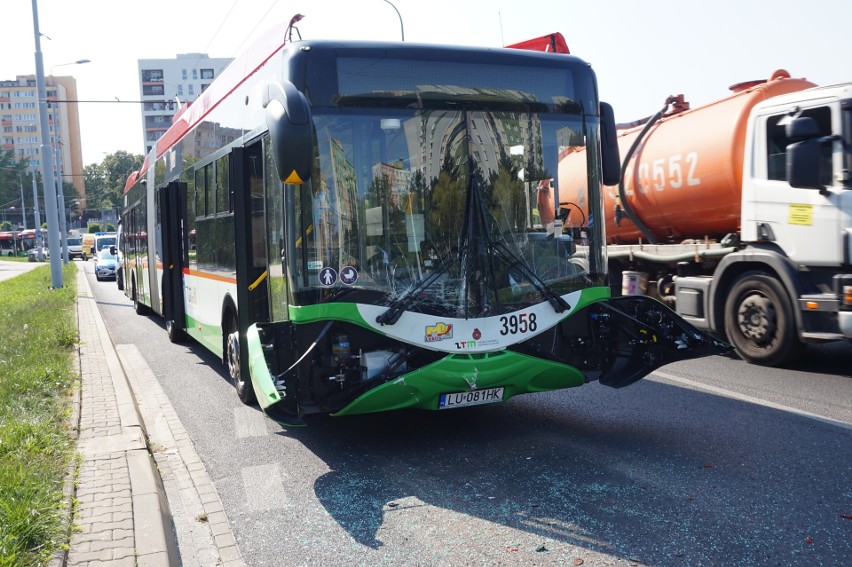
<point>47,163</point>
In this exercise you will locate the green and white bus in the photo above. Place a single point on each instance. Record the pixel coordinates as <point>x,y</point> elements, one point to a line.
<point>355,227</point>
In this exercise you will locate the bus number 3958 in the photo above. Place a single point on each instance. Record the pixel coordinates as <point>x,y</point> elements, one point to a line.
<point>514,324</point>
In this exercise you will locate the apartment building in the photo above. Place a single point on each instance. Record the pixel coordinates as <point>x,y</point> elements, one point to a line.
<point>167,84</point>
<point>21,130</point>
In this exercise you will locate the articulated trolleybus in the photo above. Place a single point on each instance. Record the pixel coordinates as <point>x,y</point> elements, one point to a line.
<point>367,234</point>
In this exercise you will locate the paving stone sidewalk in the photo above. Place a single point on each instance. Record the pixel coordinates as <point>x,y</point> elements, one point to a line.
<point>136,507</point>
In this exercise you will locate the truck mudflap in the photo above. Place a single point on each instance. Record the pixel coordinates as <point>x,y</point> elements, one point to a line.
<point>644,335</point>
<point>268,397</point>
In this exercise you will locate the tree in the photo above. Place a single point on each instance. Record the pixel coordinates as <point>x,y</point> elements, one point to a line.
<point>13,175</point>
<point>105,181</point>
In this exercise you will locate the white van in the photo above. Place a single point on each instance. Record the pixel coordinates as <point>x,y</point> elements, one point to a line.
<point>75,248</point>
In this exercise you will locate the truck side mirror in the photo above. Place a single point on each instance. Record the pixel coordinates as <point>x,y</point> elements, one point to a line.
<point>802,128</point>
<point>803,164</point>
<point>610,159</point>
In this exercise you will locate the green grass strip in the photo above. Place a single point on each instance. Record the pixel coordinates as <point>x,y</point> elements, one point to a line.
<point>37,377</point>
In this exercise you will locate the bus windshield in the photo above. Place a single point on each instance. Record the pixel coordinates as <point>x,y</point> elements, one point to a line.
<point>428,207</point>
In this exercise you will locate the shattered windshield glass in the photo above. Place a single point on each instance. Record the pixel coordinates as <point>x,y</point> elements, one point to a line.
<point>447,212</point>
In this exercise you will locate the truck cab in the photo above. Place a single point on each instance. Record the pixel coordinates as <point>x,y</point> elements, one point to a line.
<point>791,280</point>
<point>812,225</point>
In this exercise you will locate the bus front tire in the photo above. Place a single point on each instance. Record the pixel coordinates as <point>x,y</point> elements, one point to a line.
<point>242,384</point>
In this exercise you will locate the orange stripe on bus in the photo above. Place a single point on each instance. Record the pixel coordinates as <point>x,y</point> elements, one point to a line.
<point>209,276</point>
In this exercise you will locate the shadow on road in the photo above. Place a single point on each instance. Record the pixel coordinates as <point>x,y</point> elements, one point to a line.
<point>707,481</point>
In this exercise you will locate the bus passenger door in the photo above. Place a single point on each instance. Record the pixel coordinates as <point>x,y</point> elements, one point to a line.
<point>173,211</point>
<point>246,179</point>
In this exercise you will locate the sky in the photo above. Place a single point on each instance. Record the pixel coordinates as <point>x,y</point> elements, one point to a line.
<point>641,50</point>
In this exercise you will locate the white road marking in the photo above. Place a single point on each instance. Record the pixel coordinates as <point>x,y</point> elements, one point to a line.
<point>749,399</point>
<point>264,487</point>
<point>249,422</point>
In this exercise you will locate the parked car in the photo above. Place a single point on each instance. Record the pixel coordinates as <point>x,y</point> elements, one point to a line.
<point>105,265</point>
<point>33,254</point>
<point>75,248</point>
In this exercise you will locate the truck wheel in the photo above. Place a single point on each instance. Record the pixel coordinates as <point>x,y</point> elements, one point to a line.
<point>245,391</point>
<point>759,321</point>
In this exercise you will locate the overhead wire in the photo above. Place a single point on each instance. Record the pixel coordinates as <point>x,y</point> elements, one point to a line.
<point>221,25</point>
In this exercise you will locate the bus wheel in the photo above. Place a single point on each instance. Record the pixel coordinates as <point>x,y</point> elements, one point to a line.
<point>232,356</point>
<point>138,306</point>
<point>176,334</point>
<point>119,277</point>
<point>759,320</point>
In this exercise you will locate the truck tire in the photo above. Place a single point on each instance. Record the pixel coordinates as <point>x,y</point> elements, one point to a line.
<point>759,320</point>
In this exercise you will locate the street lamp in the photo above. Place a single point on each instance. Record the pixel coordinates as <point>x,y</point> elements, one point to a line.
<point>72,204</point>
<point>77,62</point>
<point>33,127</point>
<point>401,29</point>
<point>23,205</point>
<point>63,229</point>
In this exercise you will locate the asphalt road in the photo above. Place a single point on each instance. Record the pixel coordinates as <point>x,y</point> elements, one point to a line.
<point>709,462</point>
<point>9,269</point>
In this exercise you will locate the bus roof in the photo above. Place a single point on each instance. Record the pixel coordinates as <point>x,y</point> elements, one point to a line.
<point>250,61</point>
<point>232,77</point>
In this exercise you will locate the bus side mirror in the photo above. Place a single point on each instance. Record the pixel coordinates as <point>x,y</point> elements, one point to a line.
<point>288,117</point>
<point>610,158</point>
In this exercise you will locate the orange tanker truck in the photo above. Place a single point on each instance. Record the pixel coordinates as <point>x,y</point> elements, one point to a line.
<point>736,214</point>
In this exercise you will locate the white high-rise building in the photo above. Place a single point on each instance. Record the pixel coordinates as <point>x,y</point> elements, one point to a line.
<point>164,84</point>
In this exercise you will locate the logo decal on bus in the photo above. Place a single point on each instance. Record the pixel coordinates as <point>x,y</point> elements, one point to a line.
<point>438,332</point>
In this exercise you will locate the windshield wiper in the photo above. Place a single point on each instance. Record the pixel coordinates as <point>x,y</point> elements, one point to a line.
<point>514,261</point>
<point>399,305</point>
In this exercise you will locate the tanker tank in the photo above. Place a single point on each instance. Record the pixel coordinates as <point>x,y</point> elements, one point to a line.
<point>684,179</point>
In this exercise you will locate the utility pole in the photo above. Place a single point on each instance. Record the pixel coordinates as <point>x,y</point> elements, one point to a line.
<point>36,214</point>
<point>63,229</point>
<point>47,162</point>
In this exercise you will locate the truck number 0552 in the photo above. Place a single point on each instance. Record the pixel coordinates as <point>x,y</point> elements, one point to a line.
<point>675,171</point>
<point>515,324</point>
